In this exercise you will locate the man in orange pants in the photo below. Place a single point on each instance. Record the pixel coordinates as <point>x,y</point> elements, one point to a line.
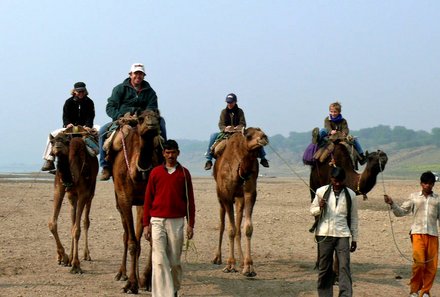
<point>425,208</point>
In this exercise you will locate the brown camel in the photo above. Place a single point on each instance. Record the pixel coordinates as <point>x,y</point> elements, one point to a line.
<point>236,173</point>
<point>360,183</point>
<point>133,157</point>
<point>76,174</point>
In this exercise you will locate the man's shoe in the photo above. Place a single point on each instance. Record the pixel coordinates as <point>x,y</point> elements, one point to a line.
<point>48,165</point>
<point>362,159</point>
<point>208,165</point>
<point>413,295</point>
<point>264,163</point>
<point>425,295</point>
<point>105,174</point>
<point>315,135</point>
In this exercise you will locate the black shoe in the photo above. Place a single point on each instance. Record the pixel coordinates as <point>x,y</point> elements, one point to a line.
<point>105,173</point>
<point>264,163</point>
<point>362,159</point>
<point>208,165</point>
<point>315,135</point>
<point>48,165</point>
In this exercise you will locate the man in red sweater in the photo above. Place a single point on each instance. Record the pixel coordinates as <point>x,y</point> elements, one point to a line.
<point>169,198</point>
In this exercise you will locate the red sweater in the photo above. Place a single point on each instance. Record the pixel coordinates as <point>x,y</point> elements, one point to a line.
<point>166,195</point>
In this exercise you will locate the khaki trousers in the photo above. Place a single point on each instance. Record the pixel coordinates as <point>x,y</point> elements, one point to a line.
<point>167,236</point>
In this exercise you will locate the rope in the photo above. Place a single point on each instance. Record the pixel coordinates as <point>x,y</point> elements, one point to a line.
<point>189,244</point>
<point>392,227</point>
<point>125,150</point>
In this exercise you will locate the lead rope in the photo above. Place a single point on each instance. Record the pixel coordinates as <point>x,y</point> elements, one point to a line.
<point>189,244</point>
<point>392,227</point>
<point>307,185</point>
<point>125,150</point>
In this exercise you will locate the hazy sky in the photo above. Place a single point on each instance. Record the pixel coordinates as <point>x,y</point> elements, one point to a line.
<point>285,60</point>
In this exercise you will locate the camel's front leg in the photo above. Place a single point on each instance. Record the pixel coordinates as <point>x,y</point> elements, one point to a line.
<point>218,256</point>
<point>62,258</point>
<point>230,267</point>
<point>239,206</point>
<point>122,273</point>
<point>76,234</point>
<point>86,224</point>
<point>248,268</point>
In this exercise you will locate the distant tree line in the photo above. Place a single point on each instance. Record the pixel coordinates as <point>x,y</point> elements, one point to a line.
<point>376,137</point>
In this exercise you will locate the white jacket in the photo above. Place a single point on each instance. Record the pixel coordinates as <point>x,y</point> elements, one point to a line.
<point>334,222</point>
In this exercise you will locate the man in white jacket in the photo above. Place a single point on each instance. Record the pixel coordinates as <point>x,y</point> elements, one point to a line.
<point>336,207</point>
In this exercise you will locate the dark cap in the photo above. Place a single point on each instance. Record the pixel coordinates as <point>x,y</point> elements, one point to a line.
<point>79,86</point>
<point>231,98</point>
<point>337,173</point>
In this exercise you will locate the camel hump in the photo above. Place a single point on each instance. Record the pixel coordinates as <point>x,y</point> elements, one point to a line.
<point>324,152</point>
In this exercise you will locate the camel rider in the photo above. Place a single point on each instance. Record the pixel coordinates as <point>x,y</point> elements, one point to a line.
<point>231,118</point>
<point>132,95</point>
<point>335,127</point>
<point>79,109</point>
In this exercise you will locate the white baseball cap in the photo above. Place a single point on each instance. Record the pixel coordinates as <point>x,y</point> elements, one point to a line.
<point>137,67</point>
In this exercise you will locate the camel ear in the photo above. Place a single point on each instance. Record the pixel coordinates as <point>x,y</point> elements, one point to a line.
<point>51,137</point>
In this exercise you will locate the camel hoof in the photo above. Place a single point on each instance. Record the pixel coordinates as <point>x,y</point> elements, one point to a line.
<point>145,284</point>
<point>76,270</point>
<point>121,276</point>
<point>131,288</point>
<point>217,261</point>
<point>250,274</point>
<point>229,269</point>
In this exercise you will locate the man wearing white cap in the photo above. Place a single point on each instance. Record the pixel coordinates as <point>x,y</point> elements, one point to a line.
<point>132,95</point>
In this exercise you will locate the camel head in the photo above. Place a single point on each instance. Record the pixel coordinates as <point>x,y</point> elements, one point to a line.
<point>60,144</point>
<point>377,160</point>
<point>255,138</point>
<point>148,122</point>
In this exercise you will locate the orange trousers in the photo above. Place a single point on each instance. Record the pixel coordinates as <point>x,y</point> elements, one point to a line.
<point>424,268</point>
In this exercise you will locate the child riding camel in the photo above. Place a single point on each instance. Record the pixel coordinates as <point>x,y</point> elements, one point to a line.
<point>336,127</point>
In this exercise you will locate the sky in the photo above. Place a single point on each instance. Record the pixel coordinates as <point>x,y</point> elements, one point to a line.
<point>286,60</point>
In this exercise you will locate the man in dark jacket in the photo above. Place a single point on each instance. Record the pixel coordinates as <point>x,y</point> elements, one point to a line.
<point>78,110</point>
<point>132,95</point>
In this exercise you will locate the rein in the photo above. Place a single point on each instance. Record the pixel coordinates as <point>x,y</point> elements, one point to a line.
<point>124,149</point>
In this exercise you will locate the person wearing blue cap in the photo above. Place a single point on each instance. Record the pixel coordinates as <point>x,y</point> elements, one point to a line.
<point>231,119</point>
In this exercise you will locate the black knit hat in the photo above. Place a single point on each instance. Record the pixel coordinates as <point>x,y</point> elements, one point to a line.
<point>79,86</point>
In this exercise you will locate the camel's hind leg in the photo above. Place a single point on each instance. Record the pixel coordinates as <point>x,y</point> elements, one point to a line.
<point>59,193</point>
<point>218,256</point>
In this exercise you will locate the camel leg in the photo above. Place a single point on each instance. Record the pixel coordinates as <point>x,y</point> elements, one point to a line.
<point>145,279</point>
<point>132,286</point>
<point>73,199</point>
<point>86,224</point>
<point>76,233</point>
<point>218,256</point>
<point>230,267</point>
<point>59,192</point>
<point>239,206</point>
<point>122,273</point>
<point>248,269</point>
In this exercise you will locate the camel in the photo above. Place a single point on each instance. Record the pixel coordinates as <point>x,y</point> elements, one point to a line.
<point>76,173</point>
<point>133,156</point>
<point>361,183</point>
<point>236,173</point>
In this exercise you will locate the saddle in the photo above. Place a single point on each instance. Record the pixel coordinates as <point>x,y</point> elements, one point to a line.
<point>89,135</point>
<point>220,144</point>
<point>324,151</point>
<point>119,130</point>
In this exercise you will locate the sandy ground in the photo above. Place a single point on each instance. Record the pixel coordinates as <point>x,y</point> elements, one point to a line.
<point>283,249</point>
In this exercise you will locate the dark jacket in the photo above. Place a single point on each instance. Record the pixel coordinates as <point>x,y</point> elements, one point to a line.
<point>232,117</point>
<point>341,125</point>
<point>125,99</point>
<point>79,112</point>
